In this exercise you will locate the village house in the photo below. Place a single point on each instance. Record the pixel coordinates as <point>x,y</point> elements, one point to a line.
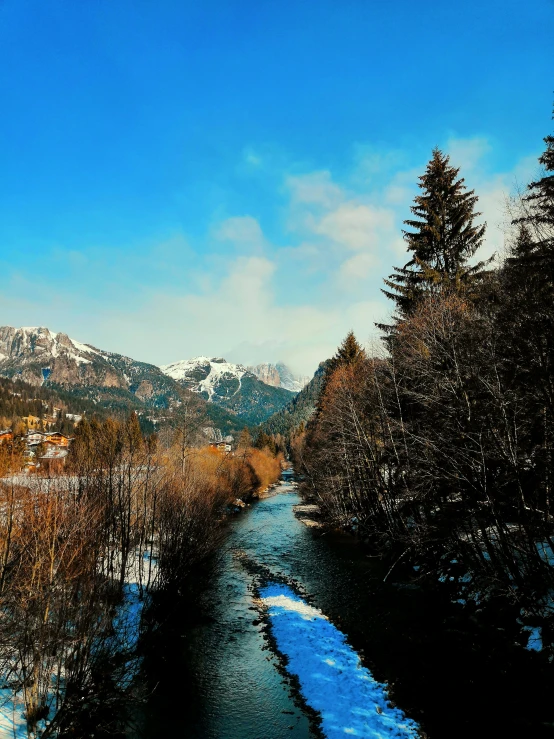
<point>53,442</point>
<point>32,438</point>
<point>6,435</point>
<point>222,446</point>
<point>53,460</point>
<point>56,438</point>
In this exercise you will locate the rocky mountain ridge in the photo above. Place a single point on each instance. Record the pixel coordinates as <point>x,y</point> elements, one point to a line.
<point>279,375</point>
<point>39,356</point>
<point>208,376</point>
<point>230,395</point>
<point>231,386</point>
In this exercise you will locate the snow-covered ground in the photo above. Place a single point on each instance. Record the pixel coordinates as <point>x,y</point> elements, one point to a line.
<point>332,679</point>
<point>126,625</point>
<point>12,716</point>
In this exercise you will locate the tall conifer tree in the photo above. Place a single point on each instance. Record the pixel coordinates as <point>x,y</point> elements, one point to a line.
<point>539,201</point>
<point>348,352</point>
<point>442,238</point>
<point>529,287</point>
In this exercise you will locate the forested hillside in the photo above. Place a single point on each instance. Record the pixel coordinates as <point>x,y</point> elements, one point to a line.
<point>441,455</point>
<point>19,399</point>
<point>300,409</point>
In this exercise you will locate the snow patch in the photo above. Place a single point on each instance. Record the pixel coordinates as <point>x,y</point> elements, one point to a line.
<point>218,371</point>
<point>332,679</point>
<point>84,348</point>
<point>534,643</point>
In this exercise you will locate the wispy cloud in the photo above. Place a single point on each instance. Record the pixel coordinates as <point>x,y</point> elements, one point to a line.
<point>243,231</point>
<point>315,188</point>
<point>250,295</point>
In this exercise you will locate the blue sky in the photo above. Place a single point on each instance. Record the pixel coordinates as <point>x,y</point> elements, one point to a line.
<point>230,178</point>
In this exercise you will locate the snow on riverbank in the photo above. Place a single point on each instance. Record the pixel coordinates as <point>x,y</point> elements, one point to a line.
<point>126,626</point>
<point>12,715</point>
<point>332,679</point>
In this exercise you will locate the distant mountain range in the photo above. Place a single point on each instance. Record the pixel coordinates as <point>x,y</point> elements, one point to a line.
<point>231,395</point>
<point>279,375</point>
<point>232,386</point>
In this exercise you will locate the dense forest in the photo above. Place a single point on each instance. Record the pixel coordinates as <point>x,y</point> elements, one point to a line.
<point>19,399</point>
<point>439,454</point>
<point>299,411</point>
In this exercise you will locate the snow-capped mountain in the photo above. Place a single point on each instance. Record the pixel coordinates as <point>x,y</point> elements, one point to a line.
<point>37,354</point>
<point>279,375</point>
<point>207,376</point>
<point>43,357</point>
<point>229,394</point>
<point>229,385</point>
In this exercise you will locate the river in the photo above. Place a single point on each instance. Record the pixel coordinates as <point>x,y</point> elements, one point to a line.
<point>215,674</point>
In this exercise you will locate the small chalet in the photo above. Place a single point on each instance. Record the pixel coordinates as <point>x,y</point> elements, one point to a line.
<point>221,446</point>
<point>53,461</point>
<point>34,437</point>
<point>56,438</point>
<point>5,435</point>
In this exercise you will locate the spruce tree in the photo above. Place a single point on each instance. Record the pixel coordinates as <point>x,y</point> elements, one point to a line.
<point>348,352</point>
<point>529,288</point>
<point>525,323</point>
<point>539,201</point>
<point>442,239</point>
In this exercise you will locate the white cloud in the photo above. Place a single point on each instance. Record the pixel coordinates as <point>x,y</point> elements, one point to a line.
<point>315,188</point>
<point>243,231</point>
<point>401,189</point>
<point>467,153</point>
<point>356,226</point>
<point>239,318</point>
<point>352,240</point>
<point>356,268</point>
<point>372,164</point>
<point>260,301</point>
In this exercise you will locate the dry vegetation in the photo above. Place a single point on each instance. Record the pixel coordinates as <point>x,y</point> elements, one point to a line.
<point>80,550</point>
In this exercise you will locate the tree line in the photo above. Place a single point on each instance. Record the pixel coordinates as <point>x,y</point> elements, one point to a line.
<point>439,451</point>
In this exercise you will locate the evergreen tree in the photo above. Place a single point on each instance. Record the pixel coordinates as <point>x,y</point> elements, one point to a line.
<point>443,237</point>
<point>348,352</point>
<point>522,249</point>
<point>527,311</point>
<point>539,201</point>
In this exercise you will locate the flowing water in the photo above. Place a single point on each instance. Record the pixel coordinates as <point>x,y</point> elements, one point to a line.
<point>217,676</point>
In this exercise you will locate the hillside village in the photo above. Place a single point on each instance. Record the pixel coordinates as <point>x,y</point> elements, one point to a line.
<point>50,382</point>
<point>35,449</point>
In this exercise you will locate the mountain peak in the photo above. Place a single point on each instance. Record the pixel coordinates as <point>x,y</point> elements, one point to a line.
<point>232,386</point>
<point>279,375</point>
<point>39,356</point>
<point>205,375</point>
